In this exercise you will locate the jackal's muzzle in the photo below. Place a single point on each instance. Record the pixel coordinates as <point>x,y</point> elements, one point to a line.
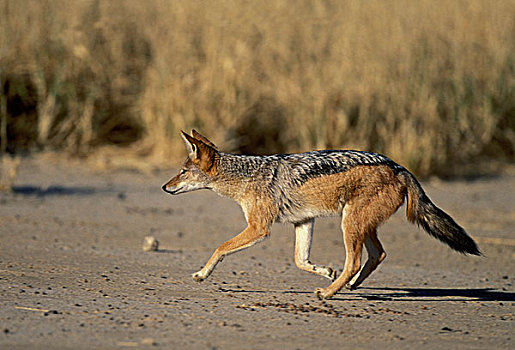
<point>169,191</point>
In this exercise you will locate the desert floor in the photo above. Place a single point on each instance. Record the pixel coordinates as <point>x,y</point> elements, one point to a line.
<point>73,273</point>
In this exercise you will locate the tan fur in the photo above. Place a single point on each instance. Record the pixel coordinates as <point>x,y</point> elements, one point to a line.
<point>360,183</point>
<point>376,194</point>
<point>365,188</point>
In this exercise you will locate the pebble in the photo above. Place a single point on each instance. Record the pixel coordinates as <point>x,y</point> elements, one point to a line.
<point>148,341</point>
<point>150,244</point>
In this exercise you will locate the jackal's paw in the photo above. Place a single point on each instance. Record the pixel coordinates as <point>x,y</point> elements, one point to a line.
<point>198,276</point>
<point>332,274</point>
<point>350,286</point>
<point>323,293</point>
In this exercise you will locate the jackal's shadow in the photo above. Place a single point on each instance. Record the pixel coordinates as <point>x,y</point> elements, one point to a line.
<point>402,294</point>
<point>429,294</point>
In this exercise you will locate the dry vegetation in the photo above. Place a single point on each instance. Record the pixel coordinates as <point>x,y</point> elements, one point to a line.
<point>429,83</point>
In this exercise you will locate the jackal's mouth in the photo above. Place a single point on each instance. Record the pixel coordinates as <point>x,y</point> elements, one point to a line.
<point>170,191</point>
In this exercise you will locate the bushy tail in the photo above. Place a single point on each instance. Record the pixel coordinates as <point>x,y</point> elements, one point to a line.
<point>435,221</point>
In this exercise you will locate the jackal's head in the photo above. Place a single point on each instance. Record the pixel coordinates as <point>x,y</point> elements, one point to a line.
<point>199,167</point>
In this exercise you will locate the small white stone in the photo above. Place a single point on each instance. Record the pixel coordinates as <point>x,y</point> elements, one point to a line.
<point>150,244</point>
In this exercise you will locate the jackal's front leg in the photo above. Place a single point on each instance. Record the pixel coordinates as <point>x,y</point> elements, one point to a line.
<point>303,240</point>
<point>248,237</point>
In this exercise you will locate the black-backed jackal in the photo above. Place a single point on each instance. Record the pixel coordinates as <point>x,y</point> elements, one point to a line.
<point>364,188</point>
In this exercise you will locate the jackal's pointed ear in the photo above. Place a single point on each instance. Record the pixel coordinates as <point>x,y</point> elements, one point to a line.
<point>190,145</point>
<point>199,152</point>
<point>202,138</point>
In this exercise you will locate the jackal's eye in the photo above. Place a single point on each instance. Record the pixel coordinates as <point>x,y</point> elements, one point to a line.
<point>182,172</point>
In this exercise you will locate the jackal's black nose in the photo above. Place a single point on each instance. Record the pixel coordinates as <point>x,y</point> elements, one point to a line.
<point>164,188</point>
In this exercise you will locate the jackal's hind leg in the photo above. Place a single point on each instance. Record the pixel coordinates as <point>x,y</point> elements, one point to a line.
<point>303,240</point>
<point>248,237</point>
<point>353,239</point>
<point>376,255</point>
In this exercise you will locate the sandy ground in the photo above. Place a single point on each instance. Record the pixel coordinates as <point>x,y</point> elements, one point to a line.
<point>73,274</point>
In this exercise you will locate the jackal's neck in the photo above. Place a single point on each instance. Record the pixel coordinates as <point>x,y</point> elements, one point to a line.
<point>244,166</point>
<point>236,173</point>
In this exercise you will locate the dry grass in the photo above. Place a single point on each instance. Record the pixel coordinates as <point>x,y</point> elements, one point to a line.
<point>8,172</point>
<point>429,83</point>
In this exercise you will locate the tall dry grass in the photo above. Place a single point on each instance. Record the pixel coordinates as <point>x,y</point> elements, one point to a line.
<point>429,83</point>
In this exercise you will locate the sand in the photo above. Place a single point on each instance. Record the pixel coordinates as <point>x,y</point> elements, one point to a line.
<point>73,273</point>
